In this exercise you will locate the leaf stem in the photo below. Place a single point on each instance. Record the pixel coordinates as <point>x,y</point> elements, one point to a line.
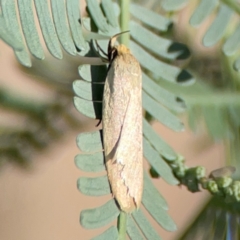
<point>232,4</point>
<point>124,21</point>
<point>122,225</point>
<point>219,183</point>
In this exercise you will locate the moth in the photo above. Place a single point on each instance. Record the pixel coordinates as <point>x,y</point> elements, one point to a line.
<point>122,126</point>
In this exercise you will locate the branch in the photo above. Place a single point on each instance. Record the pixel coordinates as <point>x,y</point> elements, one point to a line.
<point>219,182</point>
<point>122,225</point>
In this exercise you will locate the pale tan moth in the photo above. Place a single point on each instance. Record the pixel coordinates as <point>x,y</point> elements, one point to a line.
<point>122,126</point>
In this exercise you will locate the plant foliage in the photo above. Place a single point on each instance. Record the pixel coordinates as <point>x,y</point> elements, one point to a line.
<point>223,12</point>
<point>164,87</point>
<point>219,109</point>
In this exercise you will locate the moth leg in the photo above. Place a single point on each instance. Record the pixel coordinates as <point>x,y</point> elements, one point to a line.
<point>105,60</point>
<point>99,49</point>
<point>100,120</point>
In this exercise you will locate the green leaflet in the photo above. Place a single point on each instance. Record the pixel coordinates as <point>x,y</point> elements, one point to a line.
<point>160,69</point>
<point>8,37</point>
<point>88,91</point>
<point>156,141</point>
<point>154,43</point>
<point>149,17</point>
<point>147,229</point>
<point>98,186</point>
<point>60,21</point>
<point>97,15</point>
<point>236,64</point>
<point>87,108</point>
<point>110,233</point>
<point>76,30</point>
<point>158,163</point>
<point>163,96</point>
<point>10,16</point>
<point>96,74</point>
<point>173,5</point>
<point>150,193</point>
<point>29,28</point>
<point>90,142</point>
<point>90,162</point>
<point>47,28</point>
<point>99,217</point>
<point>233,43</point>
<point>159,214</point>
<point>84,72</point>
<point>203,10</point>
<point>83,89</point>
<point>162,114</point>
<point>108,8</point>
<point>218,27</point>
<point>132,230</point>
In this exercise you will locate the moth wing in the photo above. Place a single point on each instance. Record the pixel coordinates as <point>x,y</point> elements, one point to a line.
<point>129,149</point>
<point>122,133</point>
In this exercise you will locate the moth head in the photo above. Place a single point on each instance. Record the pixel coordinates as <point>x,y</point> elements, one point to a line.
<point>115,50</point>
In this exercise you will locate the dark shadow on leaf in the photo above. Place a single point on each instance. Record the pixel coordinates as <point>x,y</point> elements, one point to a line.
<point>98,74</point>
<point>170,27</point>
<point>183,50</point>
<point>92,24</point>
<point>153,173</point>
<point>181,102</point>
<point>101,135</point>
<point>98,77</point>
<point>184,77</point>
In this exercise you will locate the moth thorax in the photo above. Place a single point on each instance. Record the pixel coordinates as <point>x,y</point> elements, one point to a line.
<point>122,49</point>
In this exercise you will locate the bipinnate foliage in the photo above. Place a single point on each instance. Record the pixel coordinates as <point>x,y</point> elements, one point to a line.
<point>223,13</point>
<point>219,108</point>
<point>164,87</point>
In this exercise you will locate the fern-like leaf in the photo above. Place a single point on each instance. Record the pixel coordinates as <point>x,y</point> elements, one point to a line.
<point>59,27</point>
<point>225,11</point>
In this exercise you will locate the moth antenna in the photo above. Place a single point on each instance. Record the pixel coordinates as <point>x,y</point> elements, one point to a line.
<point>113,40</point>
